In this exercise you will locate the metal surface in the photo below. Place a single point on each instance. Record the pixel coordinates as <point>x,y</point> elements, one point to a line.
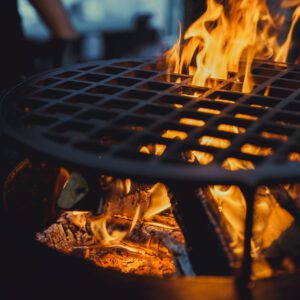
<point>99,115</point>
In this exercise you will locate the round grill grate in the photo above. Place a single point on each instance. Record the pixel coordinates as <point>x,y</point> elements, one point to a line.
<point>107,115</point>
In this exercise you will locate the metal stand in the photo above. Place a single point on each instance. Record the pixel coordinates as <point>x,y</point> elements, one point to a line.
<point>244,275</point>
<point>205,250</point>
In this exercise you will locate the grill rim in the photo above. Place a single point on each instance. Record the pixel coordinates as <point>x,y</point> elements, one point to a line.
<point>139,171</point>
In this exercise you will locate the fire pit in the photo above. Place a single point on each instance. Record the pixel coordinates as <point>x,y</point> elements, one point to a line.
<point>171,167</point>
<point>129,119</point>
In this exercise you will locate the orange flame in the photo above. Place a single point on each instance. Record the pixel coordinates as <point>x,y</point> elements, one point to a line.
<point>227,40</point>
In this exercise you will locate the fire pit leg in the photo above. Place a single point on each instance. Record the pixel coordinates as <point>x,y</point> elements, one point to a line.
<point>245,273</point>
<point>205,250</point>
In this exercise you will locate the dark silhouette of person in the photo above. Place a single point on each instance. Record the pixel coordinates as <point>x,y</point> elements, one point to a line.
<point>13,53</point>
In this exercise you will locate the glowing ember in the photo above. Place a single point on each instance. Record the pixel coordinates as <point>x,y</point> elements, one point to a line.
<point>135,233</point>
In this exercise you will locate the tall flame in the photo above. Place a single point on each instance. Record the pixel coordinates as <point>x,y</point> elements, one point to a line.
<point>226,40</point>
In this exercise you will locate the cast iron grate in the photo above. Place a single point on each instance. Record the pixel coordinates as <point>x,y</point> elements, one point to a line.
<point>100,115</point>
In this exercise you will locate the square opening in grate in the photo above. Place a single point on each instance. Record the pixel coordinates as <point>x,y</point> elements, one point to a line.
<point>123,81</point>
<point>196,156</point>
<point>155,86</point>
<point>248,113</point>
<point>233,87</point>
<point>91,147</point>
<point>233,125</point>
<point>295,68</point>
<point>118,104</point>
<point>274,92</point>
<point>135,123</point>
<point>225,97</point>
<point>293,107</point>
<point>110,70</point>
<point>288,84</point>
<point>137,94</point>
<point>175,101</point>
<point>128,64</point>
<point>92,77</point>
<point>231,128</point>
<point>209,107</point>
<point>67,74</point>
<point>294,154</point>
<point>214,141</point>
<point>260,79</point>
<point>140,74</point>
<point>262,102</point>
<point>84,99</point>
<point>276,66</point>
<point>292,75</point>
<point>105,90</point>
<point>265,72</point>
<point>259,146</point>
<point>111,136</point>
<point>190,91</point>
<point>46,81</point>
<point>190,118</point>
<point>39,121</point>
<point>256,150</point>
<point>30,104</point>
<point>174,78</point>
<point>51,94</point>
<point>72,127</point>
<point>173,131</point>
<point>151,145</point>
<point>257,79</point>
<point>153,149</point>
<point>62,109</point>
<point>276,132</point>
<point>72,85</point>
<point>159,66</point>
<point>97,115</point>
<point>287,119</point>
<point>154,110</point>
<point>236,163</point>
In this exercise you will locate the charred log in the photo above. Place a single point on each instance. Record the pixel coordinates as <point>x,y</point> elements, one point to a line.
<point>149,250</point>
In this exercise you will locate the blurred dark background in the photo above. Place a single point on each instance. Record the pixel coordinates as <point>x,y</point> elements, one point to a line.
<point>107,29</point>
<point>114,29</point>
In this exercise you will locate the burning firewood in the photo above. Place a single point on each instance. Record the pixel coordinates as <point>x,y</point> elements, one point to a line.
<point>135,233</point>
<point>144,252</point>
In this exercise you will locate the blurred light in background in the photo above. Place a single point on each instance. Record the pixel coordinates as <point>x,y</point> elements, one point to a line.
<point>95,15</point>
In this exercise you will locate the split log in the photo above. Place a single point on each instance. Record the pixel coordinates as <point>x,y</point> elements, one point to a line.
<point>148,250</point>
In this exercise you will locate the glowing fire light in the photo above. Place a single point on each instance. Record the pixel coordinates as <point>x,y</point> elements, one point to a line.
<point>227,40</point>
<point>221,42</point>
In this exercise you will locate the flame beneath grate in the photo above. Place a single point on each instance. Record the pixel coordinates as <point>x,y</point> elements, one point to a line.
<point>135,233</point>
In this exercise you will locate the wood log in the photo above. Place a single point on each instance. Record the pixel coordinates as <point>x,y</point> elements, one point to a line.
<point>148,250</point>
